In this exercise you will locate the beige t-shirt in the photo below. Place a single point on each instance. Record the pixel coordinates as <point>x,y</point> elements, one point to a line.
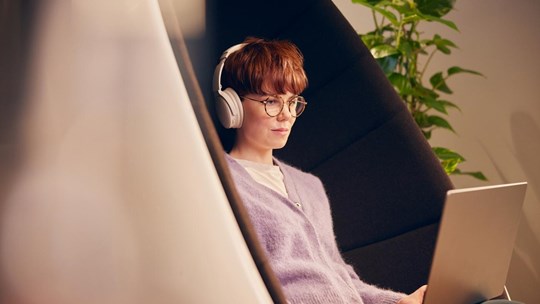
<point>268,175</point>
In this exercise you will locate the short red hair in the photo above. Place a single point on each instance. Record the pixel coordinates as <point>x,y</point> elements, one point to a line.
<point>265,67</point>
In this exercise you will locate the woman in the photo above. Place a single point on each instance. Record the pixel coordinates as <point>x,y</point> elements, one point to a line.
<point>288,208</point>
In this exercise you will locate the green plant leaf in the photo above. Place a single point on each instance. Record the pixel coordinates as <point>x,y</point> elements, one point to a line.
<point>444,49</point>
<point>421,120</point>
<point>438,83</point>
<point>436,79</point>
<point>448,104</point>
<point>446,22</point>
<point>455,70</point>
<point>422,92</point>
<point>433,8</point>
<point>450,165</point>
<point>405,48</point>
<point>438,121</point>
<point>370,2</point>
<point>371,39</point>
<point>443,45</point>
<point>408,47</point>
<point>449,159</point>
<point>477,174</point>
<point>433,103</point>
<point>446,42</point>
<point>387,14</point>
<point>403,7</point>
<point>376,6</point>
<point>401,83</point>
<point>438,104</point>
<point>383,50</point>
<point>445,153</point>
<point>427,134</point>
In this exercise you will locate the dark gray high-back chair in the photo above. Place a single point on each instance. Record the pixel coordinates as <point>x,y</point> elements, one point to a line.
<point>386,187</point>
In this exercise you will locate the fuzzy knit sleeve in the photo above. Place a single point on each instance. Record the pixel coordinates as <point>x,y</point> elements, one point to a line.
<point>371,293</point>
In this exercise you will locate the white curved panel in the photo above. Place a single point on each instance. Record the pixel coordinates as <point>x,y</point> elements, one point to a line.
<point>118,200</point>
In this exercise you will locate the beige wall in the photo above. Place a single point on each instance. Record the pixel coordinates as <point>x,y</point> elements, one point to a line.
<point>499,126</point>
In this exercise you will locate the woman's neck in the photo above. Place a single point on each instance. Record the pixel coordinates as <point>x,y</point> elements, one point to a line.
<point>264,157</point>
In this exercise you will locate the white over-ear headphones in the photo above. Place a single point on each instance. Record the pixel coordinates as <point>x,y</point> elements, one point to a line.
<point>228,104</point>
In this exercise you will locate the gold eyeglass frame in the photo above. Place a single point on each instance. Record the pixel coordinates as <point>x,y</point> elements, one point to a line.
<point>265,101</point>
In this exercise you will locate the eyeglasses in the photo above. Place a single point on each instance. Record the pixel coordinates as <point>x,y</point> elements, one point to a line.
<point>273,105</point>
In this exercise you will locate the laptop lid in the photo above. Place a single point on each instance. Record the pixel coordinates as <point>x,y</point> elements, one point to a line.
<point>475,243</point>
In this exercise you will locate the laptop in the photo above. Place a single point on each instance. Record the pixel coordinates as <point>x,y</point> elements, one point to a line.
<point>475,243</point>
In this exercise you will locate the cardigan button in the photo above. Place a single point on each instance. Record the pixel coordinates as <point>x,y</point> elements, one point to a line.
<point>298,205</point>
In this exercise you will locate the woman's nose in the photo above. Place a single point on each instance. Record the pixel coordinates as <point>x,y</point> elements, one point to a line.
<point>285,113</point>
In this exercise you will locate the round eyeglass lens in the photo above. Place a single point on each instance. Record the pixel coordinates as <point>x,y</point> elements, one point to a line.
<point>297,106</point>
<point>273,106</point>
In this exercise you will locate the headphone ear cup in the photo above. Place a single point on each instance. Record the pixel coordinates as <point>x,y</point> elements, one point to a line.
<point>229,109</point>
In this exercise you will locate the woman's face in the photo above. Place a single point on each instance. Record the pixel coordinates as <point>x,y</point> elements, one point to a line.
<point>261,133</point>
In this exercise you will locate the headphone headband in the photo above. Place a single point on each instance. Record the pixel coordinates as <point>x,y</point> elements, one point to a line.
<point>219,68</point>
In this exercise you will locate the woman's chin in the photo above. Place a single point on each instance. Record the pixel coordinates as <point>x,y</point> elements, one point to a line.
<point>280,145</point>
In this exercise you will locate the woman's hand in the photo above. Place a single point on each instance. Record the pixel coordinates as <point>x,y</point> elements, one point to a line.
<point>416,297</point>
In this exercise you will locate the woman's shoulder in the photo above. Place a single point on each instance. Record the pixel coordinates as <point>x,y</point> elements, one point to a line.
<point>235,168</point>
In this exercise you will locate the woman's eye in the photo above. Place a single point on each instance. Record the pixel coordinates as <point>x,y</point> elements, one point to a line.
<point>271,102</point>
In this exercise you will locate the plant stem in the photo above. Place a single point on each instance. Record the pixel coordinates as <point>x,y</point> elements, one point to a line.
<point>375,21</point>
<point>427,63</point>
<point>399,33</point>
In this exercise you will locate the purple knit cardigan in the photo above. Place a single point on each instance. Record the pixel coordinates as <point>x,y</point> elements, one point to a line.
<point>298,237</point>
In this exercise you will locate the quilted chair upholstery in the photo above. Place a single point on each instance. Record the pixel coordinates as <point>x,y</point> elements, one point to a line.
<point>385,186</point>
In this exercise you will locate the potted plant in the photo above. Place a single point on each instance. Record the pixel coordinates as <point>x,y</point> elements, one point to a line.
<point>404,55</point>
